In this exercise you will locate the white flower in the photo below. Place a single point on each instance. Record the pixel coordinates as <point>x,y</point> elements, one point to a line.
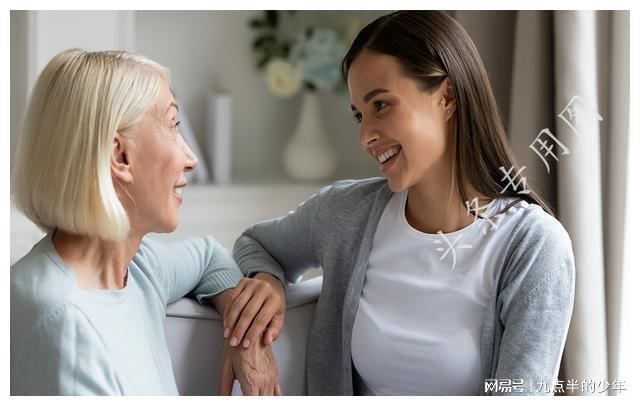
<point>283,78</point>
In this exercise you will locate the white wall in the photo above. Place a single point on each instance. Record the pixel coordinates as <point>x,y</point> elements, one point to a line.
<point>18,74</point>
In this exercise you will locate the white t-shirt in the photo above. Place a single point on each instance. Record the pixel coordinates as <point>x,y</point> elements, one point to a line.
<point>418,325</point>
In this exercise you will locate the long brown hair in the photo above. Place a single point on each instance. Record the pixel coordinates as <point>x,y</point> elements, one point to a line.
<point>431,46</point>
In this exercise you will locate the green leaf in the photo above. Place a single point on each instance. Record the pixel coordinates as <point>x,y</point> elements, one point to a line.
<point>256,23</point>
<point>285,49</point>
<point>264,41</point>
<point>309,32</point>
<point>263,61</point>
<point>272,18</point>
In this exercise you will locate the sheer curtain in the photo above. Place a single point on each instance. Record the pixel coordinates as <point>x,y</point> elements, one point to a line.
<point>571,69</point>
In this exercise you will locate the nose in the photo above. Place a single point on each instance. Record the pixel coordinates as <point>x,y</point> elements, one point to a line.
<point>369,135</point>
<point>191,160</point>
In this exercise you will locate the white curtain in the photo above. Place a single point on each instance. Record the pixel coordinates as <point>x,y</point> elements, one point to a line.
<point>557,56</point>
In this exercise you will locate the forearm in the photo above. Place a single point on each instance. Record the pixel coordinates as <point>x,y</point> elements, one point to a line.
<point>221,300</point>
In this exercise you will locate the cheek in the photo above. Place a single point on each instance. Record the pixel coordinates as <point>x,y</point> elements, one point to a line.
<point>429,141</point>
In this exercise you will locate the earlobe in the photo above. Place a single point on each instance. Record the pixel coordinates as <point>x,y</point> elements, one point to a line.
<point>120,167</point>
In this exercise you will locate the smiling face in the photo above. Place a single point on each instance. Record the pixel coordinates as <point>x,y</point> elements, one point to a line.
<point>403,128</point>
<point>154,159</point>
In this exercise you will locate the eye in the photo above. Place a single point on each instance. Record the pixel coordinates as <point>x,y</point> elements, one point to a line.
<point>357,117</point>
<point>380,104</point>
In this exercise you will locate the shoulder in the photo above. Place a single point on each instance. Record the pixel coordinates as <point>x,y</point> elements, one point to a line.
<point>348,202</point>
<point>539,252</point>
<point>356,188</point>
<point>537,228</point>
<point>153,253</point>
<point>346,195</point>
<point>39,283</point>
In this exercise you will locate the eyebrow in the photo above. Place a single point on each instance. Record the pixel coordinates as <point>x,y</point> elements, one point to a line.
<point>370,96</point>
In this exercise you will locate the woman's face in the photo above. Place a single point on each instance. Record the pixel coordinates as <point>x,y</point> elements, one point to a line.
<point>403,128</point>
<point>158,159</point>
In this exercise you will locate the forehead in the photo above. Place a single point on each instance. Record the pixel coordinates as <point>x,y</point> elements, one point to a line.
<point>374,69</point>
<point>165,100</point>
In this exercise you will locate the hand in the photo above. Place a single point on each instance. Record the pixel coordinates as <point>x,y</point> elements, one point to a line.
<point>255,367</point>
<point>257,304</point>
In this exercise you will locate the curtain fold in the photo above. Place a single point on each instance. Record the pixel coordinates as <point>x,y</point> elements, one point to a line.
<point>580,190</point>
<point>571,76</point>
<point>615,195</point>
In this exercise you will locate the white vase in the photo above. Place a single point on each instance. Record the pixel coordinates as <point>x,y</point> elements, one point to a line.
<point>309,155</point>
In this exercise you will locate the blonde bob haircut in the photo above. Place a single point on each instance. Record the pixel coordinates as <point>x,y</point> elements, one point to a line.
<point>62,174</point>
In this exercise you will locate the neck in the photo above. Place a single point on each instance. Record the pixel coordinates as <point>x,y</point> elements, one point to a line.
<point>98,264</point>
<point>434,204</point>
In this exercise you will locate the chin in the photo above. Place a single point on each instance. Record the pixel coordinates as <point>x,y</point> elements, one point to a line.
<point>168,227</point>
<point>396,186</point>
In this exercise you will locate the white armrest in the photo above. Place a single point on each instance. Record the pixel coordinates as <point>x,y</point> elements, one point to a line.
<point>194,337</point>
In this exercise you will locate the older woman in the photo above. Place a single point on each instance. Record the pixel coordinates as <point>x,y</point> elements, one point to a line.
<point>100,164</point>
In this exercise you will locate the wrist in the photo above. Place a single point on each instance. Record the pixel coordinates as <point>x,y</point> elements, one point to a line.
<point>272,280</point>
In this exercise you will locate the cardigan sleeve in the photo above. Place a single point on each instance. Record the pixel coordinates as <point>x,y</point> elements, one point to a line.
<point>285,247</point>
<point>535,305</point>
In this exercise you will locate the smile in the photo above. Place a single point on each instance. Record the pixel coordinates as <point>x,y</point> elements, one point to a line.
<point>388,154</point>
<point>177,191</point>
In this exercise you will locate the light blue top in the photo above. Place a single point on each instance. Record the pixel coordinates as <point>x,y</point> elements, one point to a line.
<point>71,341</point>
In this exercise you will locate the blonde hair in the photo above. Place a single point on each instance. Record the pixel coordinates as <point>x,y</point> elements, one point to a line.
<point>62,174</point>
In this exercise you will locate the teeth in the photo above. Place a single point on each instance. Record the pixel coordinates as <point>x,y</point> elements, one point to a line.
<point>177,190</point>
<point>388,154</point>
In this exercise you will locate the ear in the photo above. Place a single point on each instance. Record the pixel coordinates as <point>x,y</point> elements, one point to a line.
<point>449,96</point>
<point>120,167</point>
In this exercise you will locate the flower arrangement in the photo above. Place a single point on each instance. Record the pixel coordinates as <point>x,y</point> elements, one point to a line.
<point>306,59</point>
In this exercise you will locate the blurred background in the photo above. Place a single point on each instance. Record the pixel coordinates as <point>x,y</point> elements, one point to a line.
<point>269,134</point>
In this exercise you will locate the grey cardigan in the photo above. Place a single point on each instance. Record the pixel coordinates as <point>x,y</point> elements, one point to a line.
<point>524,329</point>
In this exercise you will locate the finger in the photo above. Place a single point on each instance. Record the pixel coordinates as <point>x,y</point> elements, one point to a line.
<point>259,324</point>
<point>225,382</point>
<point>274,328</point>
<point>264,390</point>
<point>236,291</point>
<point>278,390</point>
<point>237,308</point>
<point>247,319</point>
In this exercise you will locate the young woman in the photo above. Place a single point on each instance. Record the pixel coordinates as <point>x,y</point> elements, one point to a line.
<point>100,164</point>
<point>446,274</point>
